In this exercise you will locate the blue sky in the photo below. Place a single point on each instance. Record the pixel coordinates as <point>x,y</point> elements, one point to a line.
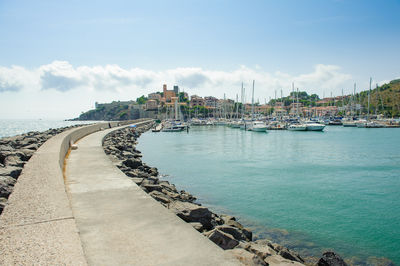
<point>110,50</point>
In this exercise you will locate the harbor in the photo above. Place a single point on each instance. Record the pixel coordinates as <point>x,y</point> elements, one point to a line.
<point>310,192</point>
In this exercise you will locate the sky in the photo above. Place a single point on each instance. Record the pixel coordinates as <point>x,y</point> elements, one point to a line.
<point>57,58</point>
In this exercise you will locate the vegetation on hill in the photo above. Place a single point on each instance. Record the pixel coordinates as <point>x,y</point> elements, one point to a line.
<point>302,96</point>
<point>384,99</point>
<point>109,111</point>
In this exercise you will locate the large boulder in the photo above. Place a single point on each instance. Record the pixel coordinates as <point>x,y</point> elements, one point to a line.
<point>224,240</point>
<point>279,260</point>
<point>330,258</point>
<point>158,196</point>
<point>235,232</point>
<point>286,253</point>
<point>10,171</point>
<point>263,251</point>
<point>6,186</point>
<point>190,212</point>
<point>231,221</point>
<point>245,257</point>
<point>3,203</point>
<point>132,163</point>
<point>13,160</point>
<point>151,188</point>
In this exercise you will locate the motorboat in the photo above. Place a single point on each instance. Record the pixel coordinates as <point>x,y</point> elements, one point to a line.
<point>297,127</point>
<point>257,126</point>
<point>350,123</point>
<point>314,126</point>
<point>173,127</point>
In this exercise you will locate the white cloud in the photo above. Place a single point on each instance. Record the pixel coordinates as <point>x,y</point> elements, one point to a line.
<point>83,85</point>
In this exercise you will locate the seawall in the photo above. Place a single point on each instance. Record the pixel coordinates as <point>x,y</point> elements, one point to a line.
<point>37,226</point>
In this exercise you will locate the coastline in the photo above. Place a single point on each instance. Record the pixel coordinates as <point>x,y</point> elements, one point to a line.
<point>224,230</point>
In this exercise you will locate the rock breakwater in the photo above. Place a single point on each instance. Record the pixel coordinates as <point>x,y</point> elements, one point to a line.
<point>14,153</point>
<point>223,230</point>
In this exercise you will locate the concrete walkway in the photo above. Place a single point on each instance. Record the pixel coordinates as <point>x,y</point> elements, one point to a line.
<point>37,226</point>
<point>120,224</point>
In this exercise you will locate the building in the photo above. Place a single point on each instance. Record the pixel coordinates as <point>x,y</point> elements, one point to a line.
<point>196,101</point>
<point>176,89</point>
<point>151,105</point>
<point>155,96</point>
<point>262,109</point>
<point>210,101</point>
<point>296,109</point>
<point>325,110</point>
<point>167,94</point>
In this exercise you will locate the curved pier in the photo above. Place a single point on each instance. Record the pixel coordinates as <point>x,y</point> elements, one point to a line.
<point>98,217</point>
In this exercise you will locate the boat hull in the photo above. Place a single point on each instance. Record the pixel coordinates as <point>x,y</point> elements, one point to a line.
<point>315,128</point>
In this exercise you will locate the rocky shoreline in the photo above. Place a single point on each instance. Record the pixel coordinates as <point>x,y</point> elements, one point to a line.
<point>223,230</point>
<point>15,151</point>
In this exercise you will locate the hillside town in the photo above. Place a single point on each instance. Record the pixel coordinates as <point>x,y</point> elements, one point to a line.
<point>293,105</point>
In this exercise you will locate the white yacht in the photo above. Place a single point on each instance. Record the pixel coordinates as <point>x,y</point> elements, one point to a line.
<point>314,126</point>
<point>297,127</point>
<point>258,126</point>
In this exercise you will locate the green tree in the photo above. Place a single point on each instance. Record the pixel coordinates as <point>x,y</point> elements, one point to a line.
<point>141,100</point>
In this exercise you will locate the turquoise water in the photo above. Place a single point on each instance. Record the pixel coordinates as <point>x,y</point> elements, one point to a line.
<point>311,191</point>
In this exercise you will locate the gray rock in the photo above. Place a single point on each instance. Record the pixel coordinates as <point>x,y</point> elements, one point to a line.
<point>190,212</point>
<point>32,146</point>
<point>151,188</point>
<point>279,260</point>
<point>330,258</point>
<point>262,251</point>
<point>132,163</point>
<point>158,196</point>
<point>246,257</point>
<point>290,255</point>
<point>235,232</point>
<point>224,240</point>
<point>198,226</point>
<point>10,171</point>
<point>137,180</point>
<point>6,186</point>
<point>3,203</point>
<point>13,160</point>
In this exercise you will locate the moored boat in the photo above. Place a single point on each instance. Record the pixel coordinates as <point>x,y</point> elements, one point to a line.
<point>257,126</point>
<point>314,126</point>
<point>297,127</point>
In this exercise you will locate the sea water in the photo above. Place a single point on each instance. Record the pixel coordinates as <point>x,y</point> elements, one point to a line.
<point>311,191</point>
<point>12,127</point>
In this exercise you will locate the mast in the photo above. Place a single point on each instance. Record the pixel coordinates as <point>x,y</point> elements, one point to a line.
<point>176,109</point>
<point>252,103</point>
<point>224,107</point>
<point>242,102</point>
<point>237,106</point>
<point>369,96</point>
<point>293,94</point>
<point>297,104</point>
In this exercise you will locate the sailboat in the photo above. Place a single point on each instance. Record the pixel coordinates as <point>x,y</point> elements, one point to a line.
<point>254,125</point>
